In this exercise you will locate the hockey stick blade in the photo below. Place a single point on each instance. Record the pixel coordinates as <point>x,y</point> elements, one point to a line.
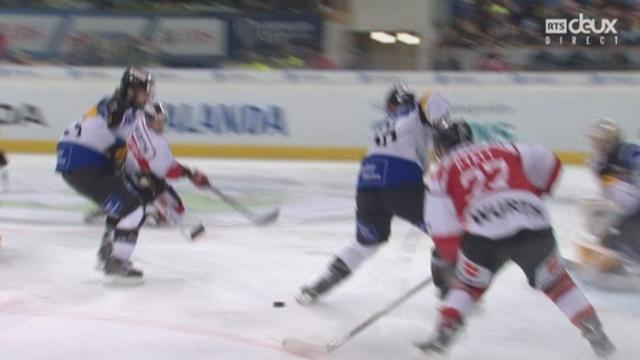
<point>267,218</point>
<point>253,217</point>
<point>305,349</point>
<point>312,351</point>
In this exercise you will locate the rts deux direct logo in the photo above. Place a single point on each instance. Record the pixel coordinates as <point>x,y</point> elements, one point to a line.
<point>581,31</point>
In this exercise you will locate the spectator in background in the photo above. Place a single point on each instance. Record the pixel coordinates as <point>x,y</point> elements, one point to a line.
<point>286,58</point>
<point>493,61</point>
<point>359,61</point>
<point>4,46</point>
<point>445,60</point>
<point>530,31</point>
<point>578,60</point>
<point>318,60</point>
<point>541,60</point>
<point>255,61</point>
<point>617,60</point>
<point>21,57</point>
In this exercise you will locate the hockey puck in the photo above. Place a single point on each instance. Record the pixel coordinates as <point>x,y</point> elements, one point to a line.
<point>197,231</point>
<point>278,304</point>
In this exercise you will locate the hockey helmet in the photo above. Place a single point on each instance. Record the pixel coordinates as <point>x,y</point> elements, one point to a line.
<point>604,135</point>
<point>400,100</point>
<point>449,134</point>
<point>135,79</point>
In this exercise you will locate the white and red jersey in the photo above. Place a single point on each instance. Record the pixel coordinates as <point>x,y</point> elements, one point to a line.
<point>492,190</point>
<point>150,151</point>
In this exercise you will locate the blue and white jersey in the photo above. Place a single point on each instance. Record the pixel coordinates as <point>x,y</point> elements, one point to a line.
<point>398,153</point>
<point>87,142</point>
<point>619,176</point>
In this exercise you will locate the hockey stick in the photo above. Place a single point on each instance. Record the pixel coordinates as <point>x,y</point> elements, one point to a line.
<point>302,348</point>
<point>257,219</point>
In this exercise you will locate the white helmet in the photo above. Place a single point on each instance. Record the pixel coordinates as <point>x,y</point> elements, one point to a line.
<point>604,135</point>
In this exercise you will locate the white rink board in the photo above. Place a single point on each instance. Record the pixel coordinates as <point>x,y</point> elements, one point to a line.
<point>329,109</point>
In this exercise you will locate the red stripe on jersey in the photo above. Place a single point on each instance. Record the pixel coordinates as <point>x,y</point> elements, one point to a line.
<point>554,176</point>
<point>137,154</point>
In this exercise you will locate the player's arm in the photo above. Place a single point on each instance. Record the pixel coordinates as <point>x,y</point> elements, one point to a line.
<point>198,178</point>
<point>541,166</point>
<point>442,222</point>
<point>166,166</point>
<point>629,158</point>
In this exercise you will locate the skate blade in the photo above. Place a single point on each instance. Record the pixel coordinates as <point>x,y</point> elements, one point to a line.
<point>304,299</point>
<point>419,353</point>
<point>305,349</point>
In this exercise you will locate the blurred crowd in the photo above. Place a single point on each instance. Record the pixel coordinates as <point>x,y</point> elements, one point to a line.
<point>495,29</point>
<point>521,22</point>
<point>482,35</point>
<point>122,49</point>
<point>168,6</point>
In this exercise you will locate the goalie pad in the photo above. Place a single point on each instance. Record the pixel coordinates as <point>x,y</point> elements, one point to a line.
<point>598,257</point>
<point>601,216</point>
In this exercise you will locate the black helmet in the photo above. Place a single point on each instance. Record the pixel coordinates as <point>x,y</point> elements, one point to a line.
<point>400,95</point>
<point>449,134</point>
<point>136,78</point>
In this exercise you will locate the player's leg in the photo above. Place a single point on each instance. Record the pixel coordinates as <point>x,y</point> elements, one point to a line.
<point>121,201</point>
<point>373,225</point>
<point>106,245</point>
<point>407,202</point>
<point>122,204</point>
<point>479,259</point>
<point>538,256</point>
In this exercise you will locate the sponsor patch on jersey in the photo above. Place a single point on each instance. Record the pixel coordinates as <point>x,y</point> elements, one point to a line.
<point>373,172</point>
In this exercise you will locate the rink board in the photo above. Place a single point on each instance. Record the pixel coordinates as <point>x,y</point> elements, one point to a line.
<point>314,114</point>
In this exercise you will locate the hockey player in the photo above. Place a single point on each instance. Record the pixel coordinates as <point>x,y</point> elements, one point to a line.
<point>90,153</point>
<point>616,219</point>
<point>488,197</point>
<point>151,162</point>
<point>390,184</point>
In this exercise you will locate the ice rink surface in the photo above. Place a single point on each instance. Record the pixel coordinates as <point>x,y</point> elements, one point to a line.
<point>212,299</point>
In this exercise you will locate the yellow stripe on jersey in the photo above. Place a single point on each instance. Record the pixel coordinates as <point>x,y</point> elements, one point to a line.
<point>91,113</point>
<point>608,180</point>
